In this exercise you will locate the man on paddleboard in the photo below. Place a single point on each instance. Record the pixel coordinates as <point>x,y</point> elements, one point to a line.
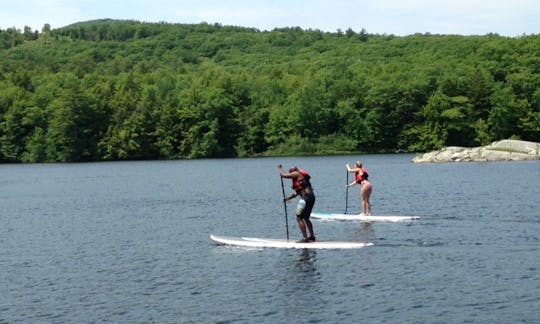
<point>302,187</point>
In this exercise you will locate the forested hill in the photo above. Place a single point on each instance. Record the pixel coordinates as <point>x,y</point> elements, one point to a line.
<point>115,90</point>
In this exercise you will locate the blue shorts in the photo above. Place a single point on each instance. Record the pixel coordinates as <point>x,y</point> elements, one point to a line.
<point>305,205</point>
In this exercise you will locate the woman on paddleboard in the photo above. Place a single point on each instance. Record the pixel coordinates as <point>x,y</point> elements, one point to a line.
<point>361,177</point>
<point>302,187</point>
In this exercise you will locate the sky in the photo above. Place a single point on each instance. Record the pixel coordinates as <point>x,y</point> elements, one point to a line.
<point>397,17</point>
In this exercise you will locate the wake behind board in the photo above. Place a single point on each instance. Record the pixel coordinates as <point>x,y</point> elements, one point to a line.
<point>360,217</point>
<point>283,243</point>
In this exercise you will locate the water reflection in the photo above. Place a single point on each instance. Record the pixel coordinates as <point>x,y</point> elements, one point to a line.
<point>300,283</point>
<point>364,232</point>
<point>301,272</point>
<point>367,228</point>
<point>306,261</point>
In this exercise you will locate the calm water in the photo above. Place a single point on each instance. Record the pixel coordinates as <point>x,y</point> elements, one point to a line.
<point>129,242</point>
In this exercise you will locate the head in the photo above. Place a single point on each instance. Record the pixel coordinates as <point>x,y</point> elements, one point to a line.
<point>358,164</point>
<point>293,168</point>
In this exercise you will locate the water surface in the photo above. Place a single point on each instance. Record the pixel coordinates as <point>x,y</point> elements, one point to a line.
<point>129,242</point>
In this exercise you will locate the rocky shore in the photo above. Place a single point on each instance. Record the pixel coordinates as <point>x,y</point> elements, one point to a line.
<point>505,150</point>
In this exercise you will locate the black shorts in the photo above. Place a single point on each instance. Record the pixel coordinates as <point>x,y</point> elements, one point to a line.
<point>309,199</point>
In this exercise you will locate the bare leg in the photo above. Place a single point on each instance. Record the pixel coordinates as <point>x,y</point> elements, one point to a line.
<point>366,194</point>
<point>310,227</point>
<point>363,203</point>
<point>302,226</point>
<point>368,207</point>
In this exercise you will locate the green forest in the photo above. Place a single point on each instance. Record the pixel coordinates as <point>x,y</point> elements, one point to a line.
<point>127,90</point>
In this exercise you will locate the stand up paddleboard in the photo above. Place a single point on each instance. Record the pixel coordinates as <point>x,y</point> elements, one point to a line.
<point>360,217</point>
<point>283,243</point>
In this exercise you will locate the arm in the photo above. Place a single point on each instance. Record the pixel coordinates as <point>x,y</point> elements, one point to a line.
<point>293,195</point>
<point>286,175</point>
<point>352,170</point>
<point>291,175</point>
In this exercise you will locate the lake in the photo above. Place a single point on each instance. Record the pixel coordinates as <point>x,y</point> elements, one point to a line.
<point>129,242</point>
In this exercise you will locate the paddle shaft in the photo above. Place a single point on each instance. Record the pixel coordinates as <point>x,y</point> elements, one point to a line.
<point>285,206</point>
<point>346,191</point>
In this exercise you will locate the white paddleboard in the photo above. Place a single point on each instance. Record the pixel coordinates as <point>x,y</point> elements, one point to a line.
<point>283,243</point>
<point>360,217</point>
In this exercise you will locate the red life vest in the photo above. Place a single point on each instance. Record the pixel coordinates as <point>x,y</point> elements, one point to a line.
<point>361,175</point>
<point>301,183</point>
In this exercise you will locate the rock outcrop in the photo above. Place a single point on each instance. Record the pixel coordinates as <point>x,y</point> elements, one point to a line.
<point>505,150</point>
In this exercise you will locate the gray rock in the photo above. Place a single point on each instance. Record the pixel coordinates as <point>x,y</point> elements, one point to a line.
<point>505,150</point>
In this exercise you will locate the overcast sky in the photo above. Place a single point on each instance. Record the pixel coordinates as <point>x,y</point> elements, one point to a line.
<point>398,17</point>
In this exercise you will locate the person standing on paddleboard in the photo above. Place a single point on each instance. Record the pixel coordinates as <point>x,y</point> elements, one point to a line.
<point>302,187</point>
<point>361,177</point>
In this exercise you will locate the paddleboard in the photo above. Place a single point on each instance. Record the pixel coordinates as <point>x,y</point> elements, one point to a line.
<point>283,243</point>
<point>360,217</point>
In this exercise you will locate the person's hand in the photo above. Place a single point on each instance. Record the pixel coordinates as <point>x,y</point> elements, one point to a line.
<point>280,166</point>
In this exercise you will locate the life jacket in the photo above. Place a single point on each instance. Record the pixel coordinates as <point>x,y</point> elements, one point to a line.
<point>361,175</point>
<point>301,183</point>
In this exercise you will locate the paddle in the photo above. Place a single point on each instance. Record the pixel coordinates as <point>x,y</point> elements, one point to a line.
<point>285,205</point>
<point>346,191</point>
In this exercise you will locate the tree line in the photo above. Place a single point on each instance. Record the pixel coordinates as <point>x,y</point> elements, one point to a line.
<point>125,90</point>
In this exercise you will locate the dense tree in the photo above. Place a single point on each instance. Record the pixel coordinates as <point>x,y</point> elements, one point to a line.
<point>114,89</point>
